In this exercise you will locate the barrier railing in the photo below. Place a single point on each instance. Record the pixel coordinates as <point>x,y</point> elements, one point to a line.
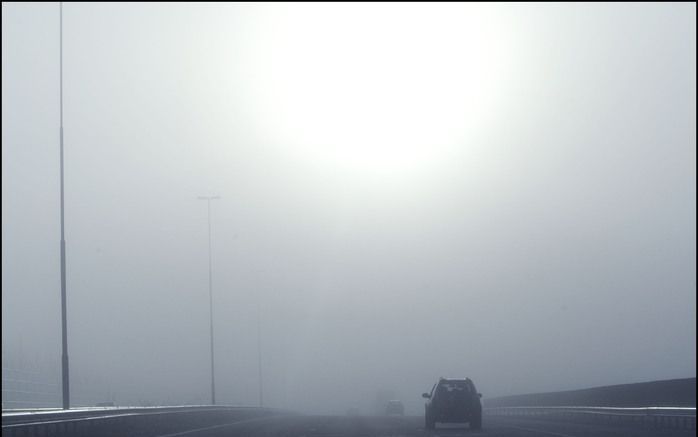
<point>113,422</point>
<point>652,417</point>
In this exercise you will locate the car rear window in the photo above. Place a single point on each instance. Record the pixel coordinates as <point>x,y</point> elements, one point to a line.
<point>452,386</point>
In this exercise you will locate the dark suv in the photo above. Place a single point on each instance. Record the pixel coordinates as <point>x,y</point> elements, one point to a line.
<point>453,400</point>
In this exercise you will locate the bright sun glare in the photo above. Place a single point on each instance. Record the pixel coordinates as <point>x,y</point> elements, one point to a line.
<point>375,87</point>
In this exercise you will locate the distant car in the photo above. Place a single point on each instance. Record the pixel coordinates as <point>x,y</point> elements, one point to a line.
<point>394,408</point>
<point>453,401</point>
<point>353,412</point>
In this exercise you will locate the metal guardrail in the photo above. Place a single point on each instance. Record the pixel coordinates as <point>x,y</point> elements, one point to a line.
<point>648,417</point>
<point>119,421</point>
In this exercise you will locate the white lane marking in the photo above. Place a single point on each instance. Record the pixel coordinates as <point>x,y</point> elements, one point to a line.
<point>450,429</point>
<point>539,431</point>
<point>452,435</point>
<point>257,419</point>
<point>194,430</point>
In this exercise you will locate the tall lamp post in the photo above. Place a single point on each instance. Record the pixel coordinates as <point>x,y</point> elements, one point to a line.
<point>259,351</point>
<point>64,318</point>
<point>208,200</point>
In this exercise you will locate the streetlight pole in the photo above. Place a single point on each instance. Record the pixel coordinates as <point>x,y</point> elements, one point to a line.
<point>64,317</point>
<point>259,351</point>
<point>210,292</point>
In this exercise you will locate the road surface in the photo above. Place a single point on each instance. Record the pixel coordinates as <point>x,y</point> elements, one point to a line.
<point>342,426</point>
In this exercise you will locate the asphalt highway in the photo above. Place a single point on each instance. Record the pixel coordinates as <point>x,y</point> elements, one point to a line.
<point>364,426</point>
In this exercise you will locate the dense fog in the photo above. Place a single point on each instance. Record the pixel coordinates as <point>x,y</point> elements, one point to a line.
<point>504,192</point>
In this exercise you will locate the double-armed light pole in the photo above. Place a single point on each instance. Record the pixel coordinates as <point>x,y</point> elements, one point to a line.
<point>208,200</point>
<point>64,317</point>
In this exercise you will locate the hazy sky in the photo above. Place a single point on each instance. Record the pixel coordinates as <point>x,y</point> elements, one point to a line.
<point>506,192</point>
